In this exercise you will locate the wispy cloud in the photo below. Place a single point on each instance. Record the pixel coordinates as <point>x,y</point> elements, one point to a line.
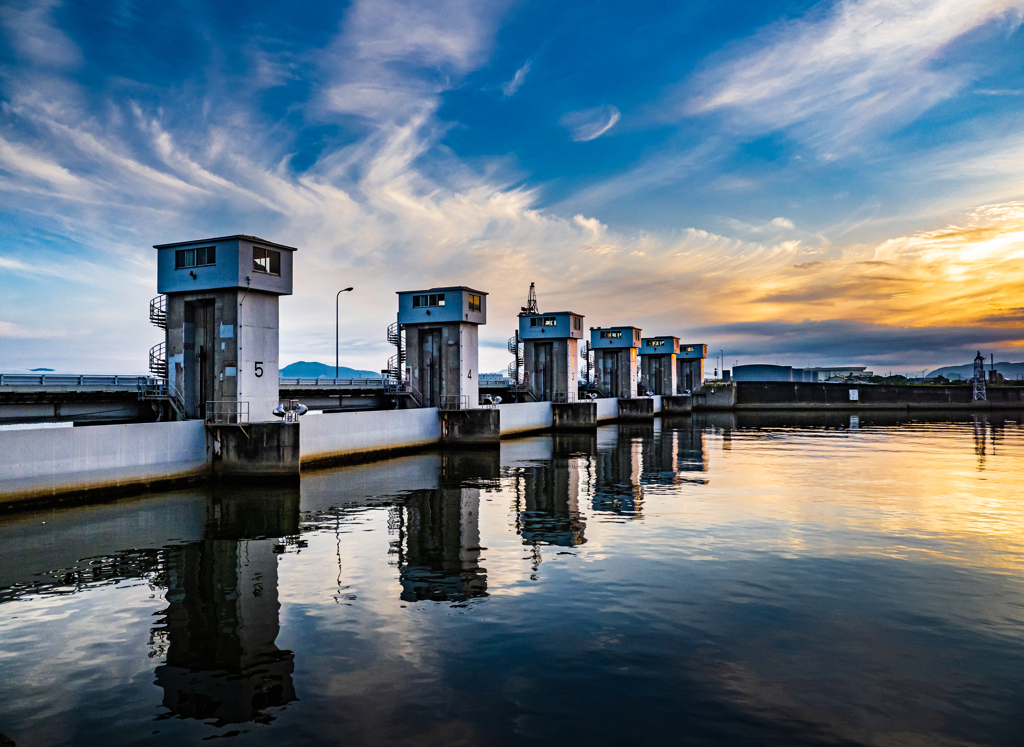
<point>879,346</point>
<point>393,58</point>
<point>12,331</point>
<point>386,206</point>
<point>590,124</point>
<point>34,36</point>
<point>839,73</point>
<point>509,88</point>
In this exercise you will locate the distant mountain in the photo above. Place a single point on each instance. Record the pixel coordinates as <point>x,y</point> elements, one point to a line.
<point>40,369</point>
<point>1009,370</point>
<point>311,370</point>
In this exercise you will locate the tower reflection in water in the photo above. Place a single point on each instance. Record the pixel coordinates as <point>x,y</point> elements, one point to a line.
<point>547,494</point>
<point>617,470</point>
<point>219,631</point>
<point>633,458</point>
<point>437,531</point>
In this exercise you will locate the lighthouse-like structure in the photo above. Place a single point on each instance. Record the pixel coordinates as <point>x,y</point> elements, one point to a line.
<point>550,341</point>
<point>615,359</point>
<point>219,307</point>
<point>440,327</point>
<point>658,364</point>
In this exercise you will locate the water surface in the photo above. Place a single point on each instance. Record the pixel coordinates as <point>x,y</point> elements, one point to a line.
<point>717,580</point>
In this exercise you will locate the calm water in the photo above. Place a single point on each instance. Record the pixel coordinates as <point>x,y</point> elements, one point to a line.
<point>719,580</point>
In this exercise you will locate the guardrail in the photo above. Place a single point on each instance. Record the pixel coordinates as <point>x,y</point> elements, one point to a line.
<point>227,412</point>
<point>141,382</point>
<point>128,382</point>
<point>454,402</point>
<point>326,383</point>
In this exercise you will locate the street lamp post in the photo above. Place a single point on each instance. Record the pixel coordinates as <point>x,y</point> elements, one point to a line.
<point>336,324</point>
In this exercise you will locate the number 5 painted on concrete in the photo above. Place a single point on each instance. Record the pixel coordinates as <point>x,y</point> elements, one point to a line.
<point>259,369</point>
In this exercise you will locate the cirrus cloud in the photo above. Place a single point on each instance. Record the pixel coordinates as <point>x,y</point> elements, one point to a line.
<point>590,124</point>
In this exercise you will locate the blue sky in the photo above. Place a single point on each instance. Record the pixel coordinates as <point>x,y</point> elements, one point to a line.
<point>807,183</point>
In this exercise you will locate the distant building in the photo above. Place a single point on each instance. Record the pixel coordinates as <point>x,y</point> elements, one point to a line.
<point>841,373</point>
<point>766,372</point>
<point>762,372</point>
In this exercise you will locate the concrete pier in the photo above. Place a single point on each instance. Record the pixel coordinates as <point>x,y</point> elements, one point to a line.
<point>715,397</point>
<point>641,408</point>
<point>573,416</point>
<point>470,427</point>
<point>257,451</point>
<point>680,404</point>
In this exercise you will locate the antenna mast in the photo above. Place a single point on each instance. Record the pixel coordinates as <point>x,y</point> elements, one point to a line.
<point>531,301</point>
<point>979,378</point>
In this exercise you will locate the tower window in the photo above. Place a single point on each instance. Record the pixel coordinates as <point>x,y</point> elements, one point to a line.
<point>431,299</point>
<point>266,260</point>
<point>613,334</point>
<point>656,343</point>
<point>474,303</point>
<point>577,323</point>
<point>201,257</point>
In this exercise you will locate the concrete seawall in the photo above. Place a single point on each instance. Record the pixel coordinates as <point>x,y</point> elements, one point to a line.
<point>525,417</point>
<point>42,463</point>
<point>38,465</point>
<point>339,436</point>
<point>767,395</point>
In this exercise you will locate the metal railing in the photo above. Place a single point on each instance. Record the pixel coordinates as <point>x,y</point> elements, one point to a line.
<point>164,390</point>
<point>158,360</point>
<point>158,311</point>
<point>128,382</point>
<point>227,412</point>
<point>380,383</point>
<point>517,360</point>
<point>454,402</point>
<point>407,387</point>
<point>563,397</point>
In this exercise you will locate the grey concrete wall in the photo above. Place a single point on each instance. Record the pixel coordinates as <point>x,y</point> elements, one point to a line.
<point>244,333</point>
<point>523,417</point>
<point>692,366</point>
<point>607,408</point>
<point>479,427</point>
<point>625,384</point>
<point>766,394</point>
<point>665,384</point>
<point>256,451</point>
<point>564,369</point>
<point>343,434</point>
<point>641,408</point>
<point>678,405</point>
<point>716,397</point>
<point>568,416</point>
<point>459,361</point>
<point>43,462</point>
